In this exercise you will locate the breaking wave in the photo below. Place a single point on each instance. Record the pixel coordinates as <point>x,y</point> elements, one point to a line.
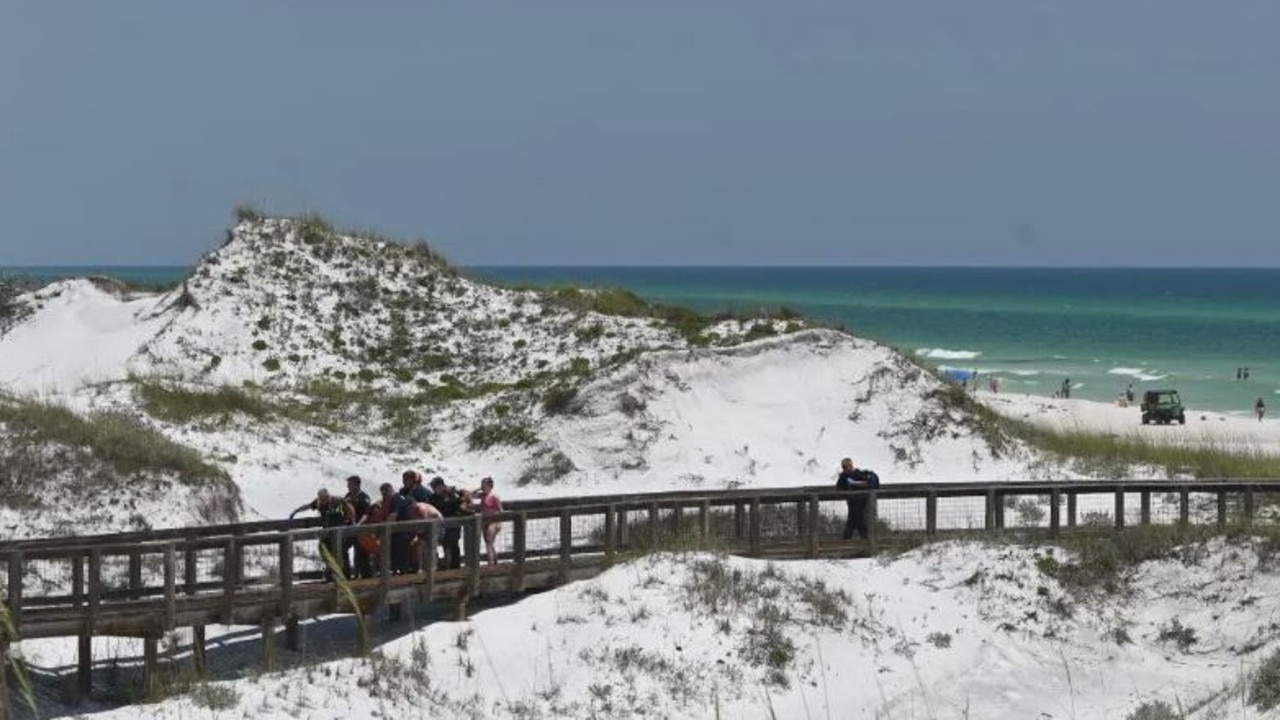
<point>945,354</point>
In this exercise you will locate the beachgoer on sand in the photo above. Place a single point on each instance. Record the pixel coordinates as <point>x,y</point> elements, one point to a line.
<point>1128,393</point>
<point>1260,408</point>
<point>1066,388</point>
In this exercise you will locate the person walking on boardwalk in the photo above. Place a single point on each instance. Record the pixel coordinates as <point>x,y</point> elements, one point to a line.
<point>490,504</point>
<point>852,478</point>
<point>1260,408</point>
<point>360,507</point>
<point>334,512</point>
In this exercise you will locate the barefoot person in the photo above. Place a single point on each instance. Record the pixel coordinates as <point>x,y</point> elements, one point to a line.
<point>490,504</point>
<point>1260,408</point>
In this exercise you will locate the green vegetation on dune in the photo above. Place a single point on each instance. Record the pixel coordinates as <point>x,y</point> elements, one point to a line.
<point>115,439</point>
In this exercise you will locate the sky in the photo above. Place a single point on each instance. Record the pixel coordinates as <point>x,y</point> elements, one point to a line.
<point>662,132</point>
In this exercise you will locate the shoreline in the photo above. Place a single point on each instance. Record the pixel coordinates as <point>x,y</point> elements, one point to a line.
<point>1207,428</point>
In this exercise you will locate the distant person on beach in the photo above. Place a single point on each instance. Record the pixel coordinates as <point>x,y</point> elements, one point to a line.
<point>1066,388</point>
<point>1239,373</point>
<point>1128,393</point>
<point>994,383</point>
<point>1260,408</point>
<point>1246,373</point>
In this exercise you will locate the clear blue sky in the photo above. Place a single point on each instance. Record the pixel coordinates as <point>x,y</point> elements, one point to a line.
<point>1056,132</point>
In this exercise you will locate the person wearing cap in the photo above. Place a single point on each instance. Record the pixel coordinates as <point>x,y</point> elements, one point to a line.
<point>450,503</point>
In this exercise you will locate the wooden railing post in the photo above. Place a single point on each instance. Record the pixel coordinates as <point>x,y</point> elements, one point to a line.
<point>566,545</point>
<point>519,534</point>
<point>610,532</point>
<point>873,520</point>
<point>95,586</point>
<point>653,526</point>
<point>754,520</point>
<point>1145,498</point>
<point>1071,508</point>
<point>1055,520</point>
<point>190,568</point>
<point>990,520</point>
<point>739,520</point>
<point>384,562</point>
<point>931,514</point>
<point>624,530</point>
<point>1120,508</point>
<point>1184,507</point>
<point>1222,508</point>
<point>77,580</point>
<point>1248,506</point>
<point>704,521</point>
<point>135,574</point>
<point>474,538</point>
<point>170,585</point>
<point>286,576</point>
<point>802,513</point>
<point>430,556</point>
<point>814,526</point>
<point>16,563</point>
<point>229,562</point>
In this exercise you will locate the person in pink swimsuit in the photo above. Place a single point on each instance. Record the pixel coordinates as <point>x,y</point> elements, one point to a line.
<point>489,505</point>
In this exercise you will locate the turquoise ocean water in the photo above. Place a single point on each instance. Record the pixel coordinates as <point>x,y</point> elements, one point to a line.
<point>1102,328</point>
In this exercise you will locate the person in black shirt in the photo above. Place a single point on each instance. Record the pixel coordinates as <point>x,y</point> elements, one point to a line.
<point>450,503</point>
<point>853,479</point>
<point>360,505</point>
<point>334,512</point>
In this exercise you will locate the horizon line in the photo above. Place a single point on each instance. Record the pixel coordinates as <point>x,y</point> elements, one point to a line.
<point>703,266</point>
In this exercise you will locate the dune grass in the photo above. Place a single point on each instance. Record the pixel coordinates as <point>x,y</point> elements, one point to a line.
<point>113,438</point>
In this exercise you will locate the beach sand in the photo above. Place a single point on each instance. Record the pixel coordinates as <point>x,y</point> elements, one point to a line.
<point>1204,428</point>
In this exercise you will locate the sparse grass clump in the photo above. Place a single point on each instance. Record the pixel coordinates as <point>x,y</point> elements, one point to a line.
<point>487,435</point>
<point>214,697</point>
<point>113,438</point>
<point>1102,560</point>
<point>1264,688</point>
<point>248,213</point>
<point>561,400</point>
<point>175,404</point>
<point>1154,710</point>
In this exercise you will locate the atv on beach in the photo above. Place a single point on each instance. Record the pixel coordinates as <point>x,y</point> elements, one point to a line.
<point>1162,407</point>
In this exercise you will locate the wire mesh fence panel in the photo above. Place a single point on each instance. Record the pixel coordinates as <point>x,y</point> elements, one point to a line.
<point>833,516</point>
<point>1267,508</point>
<point>961,513</point>
<point>1025,511</point>
<point>114,573</point>
<point>1166,507</point>
<point>1202,508</point>
<point>210,566</point>
<point>903,514</point>
<point>306,556</point>
<point>782,521</point>
<point>261,563</point>
<point>47,577</point>
<point>542,536</point>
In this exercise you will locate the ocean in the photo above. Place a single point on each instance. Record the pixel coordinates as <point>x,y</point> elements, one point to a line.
<point>1033,328</point>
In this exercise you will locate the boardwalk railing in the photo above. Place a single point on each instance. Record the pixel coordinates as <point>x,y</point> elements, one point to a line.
<point>145,584</point>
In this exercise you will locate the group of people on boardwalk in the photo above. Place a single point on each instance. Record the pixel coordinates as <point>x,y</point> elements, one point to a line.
<point>436,500</point>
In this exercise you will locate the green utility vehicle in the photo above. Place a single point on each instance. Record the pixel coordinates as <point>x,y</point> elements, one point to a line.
<point>1162,407</point>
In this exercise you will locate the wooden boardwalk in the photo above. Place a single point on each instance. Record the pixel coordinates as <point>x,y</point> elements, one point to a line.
<point>267,574</point>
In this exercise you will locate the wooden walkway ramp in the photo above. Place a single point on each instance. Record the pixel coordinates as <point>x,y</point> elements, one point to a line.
<point>268,574</point>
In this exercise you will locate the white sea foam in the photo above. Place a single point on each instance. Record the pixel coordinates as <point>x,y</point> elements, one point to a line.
<point>1025,373</point>
<point>1137,374</point>
<point>945,354</point>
